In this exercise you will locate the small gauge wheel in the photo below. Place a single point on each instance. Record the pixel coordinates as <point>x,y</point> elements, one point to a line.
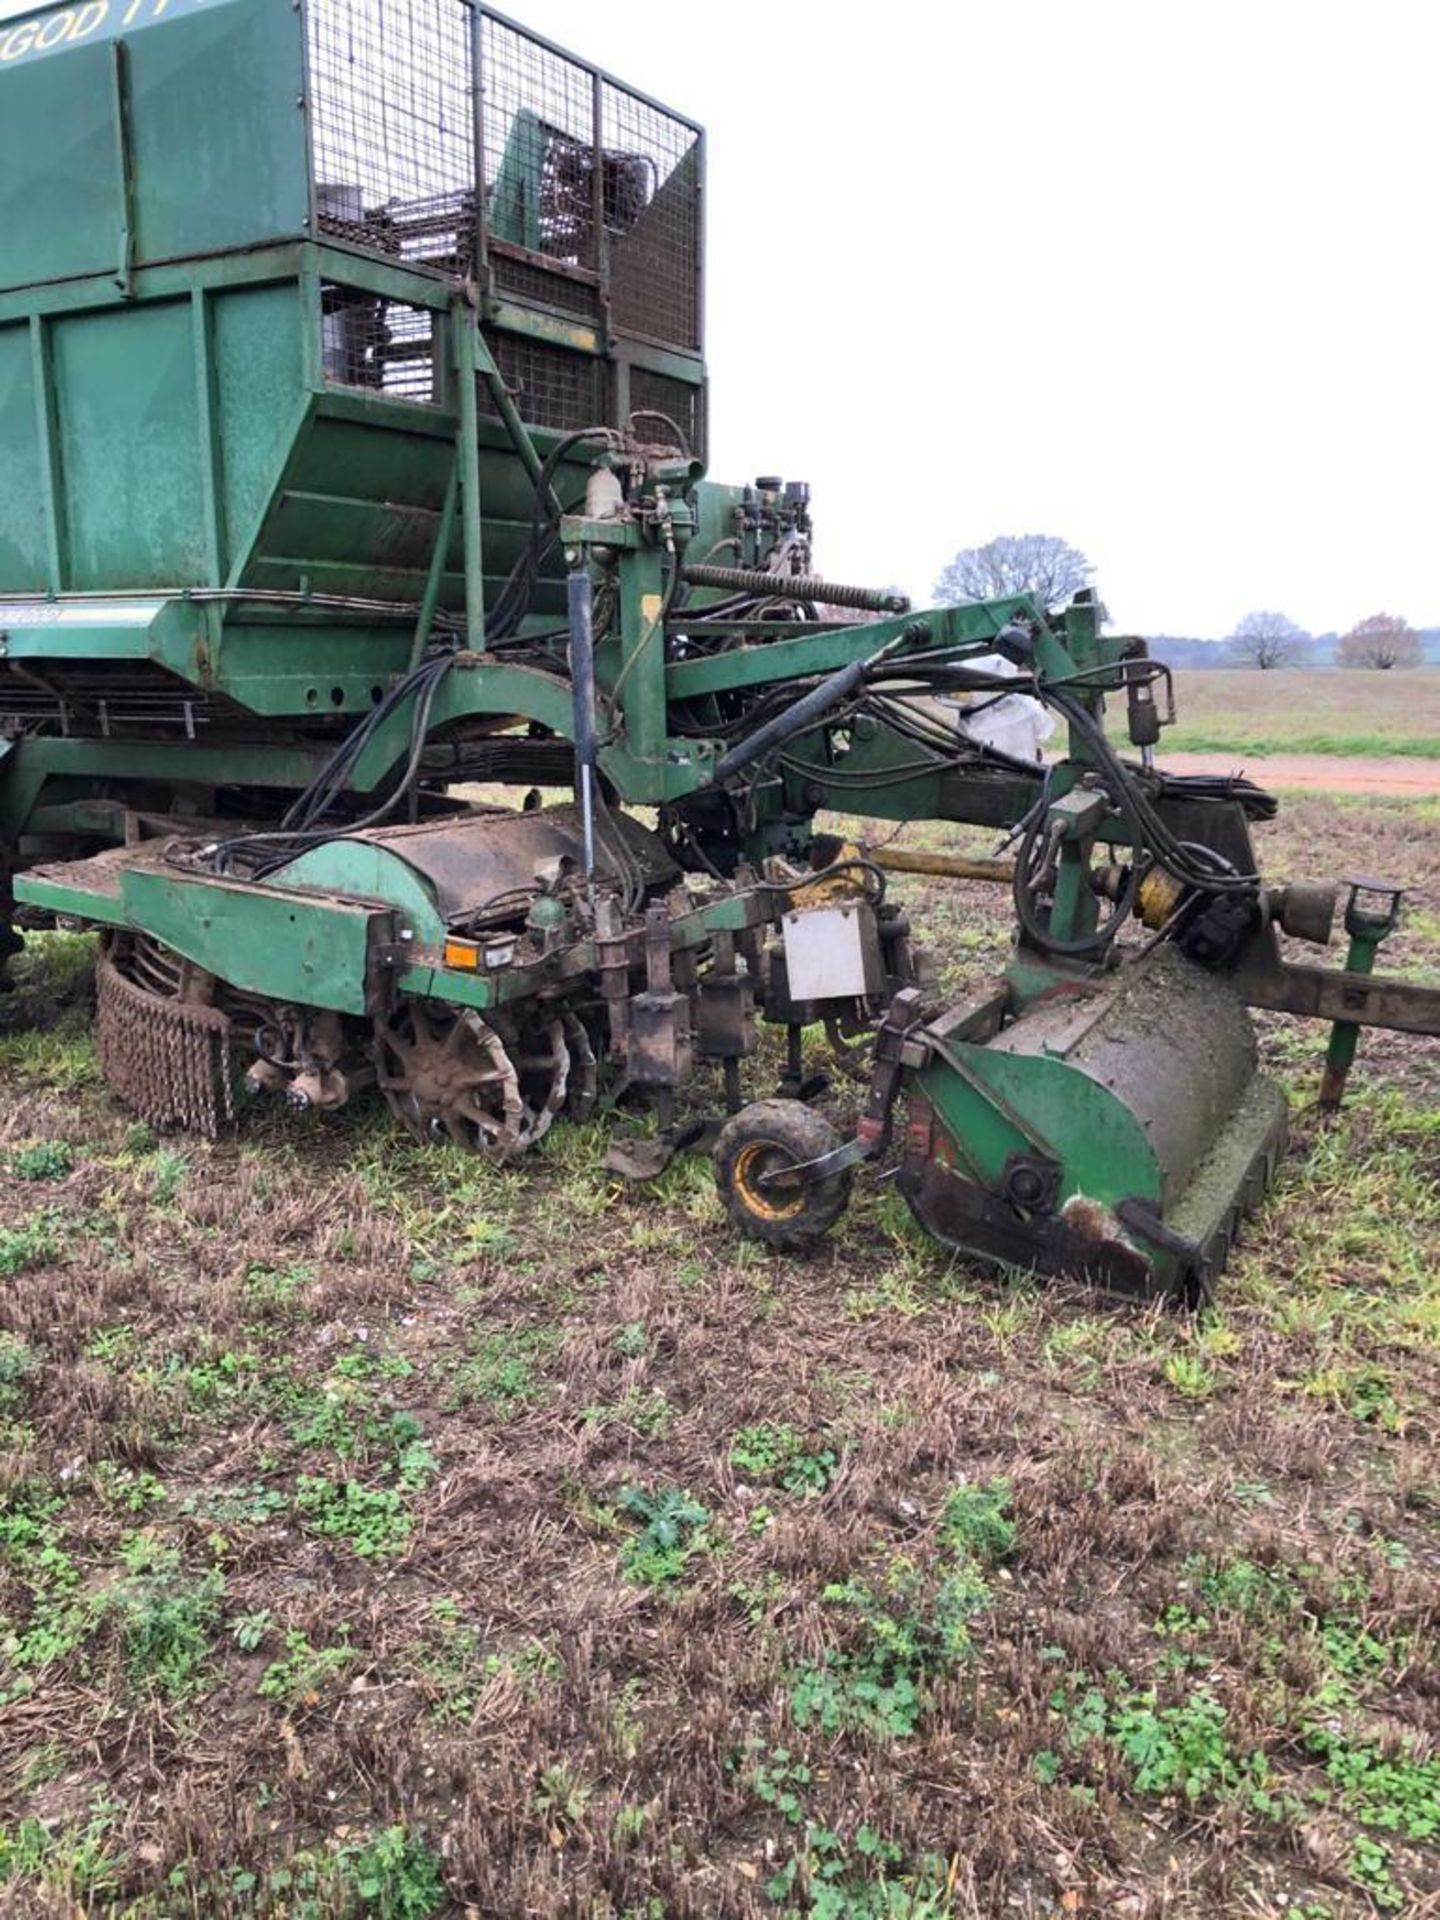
<point>766,1138</point>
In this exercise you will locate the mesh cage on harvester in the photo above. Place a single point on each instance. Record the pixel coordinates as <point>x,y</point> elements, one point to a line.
<point>557,186</point>
<point>392,127</point>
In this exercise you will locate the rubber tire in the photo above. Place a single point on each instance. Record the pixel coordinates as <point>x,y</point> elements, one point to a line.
<point>762,1136</point>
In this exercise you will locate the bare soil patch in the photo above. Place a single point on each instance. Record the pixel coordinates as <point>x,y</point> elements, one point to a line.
<point>1393,776</point>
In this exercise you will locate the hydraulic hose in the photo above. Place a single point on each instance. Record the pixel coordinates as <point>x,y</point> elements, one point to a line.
<point>801,713</point>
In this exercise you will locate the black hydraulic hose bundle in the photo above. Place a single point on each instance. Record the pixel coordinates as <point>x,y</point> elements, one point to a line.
<point>802,713</point>
<point>1197,867</point>
<point>512,605</point>
<point>1180,857</point>
<point>303,824</point>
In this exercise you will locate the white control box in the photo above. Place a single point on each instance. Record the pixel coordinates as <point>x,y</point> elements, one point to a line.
<point>833,952</point>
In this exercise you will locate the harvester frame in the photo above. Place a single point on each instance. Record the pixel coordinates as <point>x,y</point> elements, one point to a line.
<point>352,433</point>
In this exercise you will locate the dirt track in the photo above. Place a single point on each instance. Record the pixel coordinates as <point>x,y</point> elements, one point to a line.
<point>1396,775</point>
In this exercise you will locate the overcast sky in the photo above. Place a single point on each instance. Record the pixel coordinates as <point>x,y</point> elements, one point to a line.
<point>1163,279</point>
<point>1159,276</point>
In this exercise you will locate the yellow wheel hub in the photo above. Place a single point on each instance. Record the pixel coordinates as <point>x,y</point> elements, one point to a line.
<point>752,1163</point>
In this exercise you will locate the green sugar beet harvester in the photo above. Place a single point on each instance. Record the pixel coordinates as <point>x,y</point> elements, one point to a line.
<point>352,454</point>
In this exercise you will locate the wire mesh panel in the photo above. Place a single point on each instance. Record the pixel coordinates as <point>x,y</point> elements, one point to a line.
<point>520,279</point>
<point>652,218</point>
<point>582,173</point>
<point>675,400</point>
<point>582,198</point>
<point>385,346</point>
<point>552,386</point>
<point>539,146</point>
<point>392,126</point>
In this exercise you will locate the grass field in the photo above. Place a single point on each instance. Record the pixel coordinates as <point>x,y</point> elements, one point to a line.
<point>1240,710</point>
<point>385,1533</point>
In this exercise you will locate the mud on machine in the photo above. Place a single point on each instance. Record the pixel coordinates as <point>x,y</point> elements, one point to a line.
<point>352,454</point>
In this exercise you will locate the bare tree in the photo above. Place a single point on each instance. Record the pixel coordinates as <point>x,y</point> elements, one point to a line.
<point>1013,563</point>
<point>1381,640</point>
<point>1268,640</point>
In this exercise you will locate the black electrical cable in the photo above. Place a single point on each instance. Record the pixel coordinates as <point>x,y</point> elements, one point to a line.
<point>852,863</point>
<point>1023,888</point>
<point>1154,835</point>
<point>653,413</point>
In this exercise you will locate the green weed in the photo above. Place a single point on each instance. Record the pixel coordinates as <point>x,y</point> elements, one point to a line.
<point>373,1522</point>
<point>394,1876</point>
<point>166,1621</point>
<point>1365,1391</point>
<point>913,1627</point>
<point>273,1291</point>
<point>631,1340</point>
<point>35,1244</point>
<point>644,1410</point>
<point>17,1362</point>
<point>1189,1376</point>
<point>864,1878</point>
<point>301,1677</point>
<point>561,1797</point>
<point>459,1665</point>
<point>45,1160</point>
<point>61,1055</point>
<point>974,1521</point>
<point>238,1504</point>
<point>504,1369</point>
<point>341,1423</point>
<point>71,1860</point>
<point>911,1631</point>
<point>168,1171</point>
<point>778,1780</point>
<point>372,1363</point>
<point>780,1455</point>
<point>1182,1749</point>
<point>672,1530</point>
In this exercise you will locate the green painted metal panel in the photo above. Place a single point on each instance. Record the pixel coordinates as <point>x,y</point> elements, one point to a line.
<point>822,653</point>
<point>1101,1146</point>
<point>374,462</point>
<point>187,116</point>
<point>100,909</point>
<point>345,483</point>
<point>277,668</point>
<point>61,206</point>
<point>22,512</point>
<point>265,264</point>
<point>440,983</point>
<point>286,945</point>
<point>291,573</point>
<point>218,136</point>
<point>103,630</point>
<point>130,457</point>
<point>367,870</point>
<point>328,527</point>
<point>258,374</point>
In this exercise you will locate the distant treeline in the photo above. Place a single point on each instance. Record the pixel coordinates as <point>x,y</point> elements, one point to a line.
<point>1180,651</point>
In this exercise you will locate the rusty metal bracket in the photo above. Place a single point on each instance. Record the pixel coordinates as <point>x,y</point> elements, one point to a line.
<point>873,1131</point>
